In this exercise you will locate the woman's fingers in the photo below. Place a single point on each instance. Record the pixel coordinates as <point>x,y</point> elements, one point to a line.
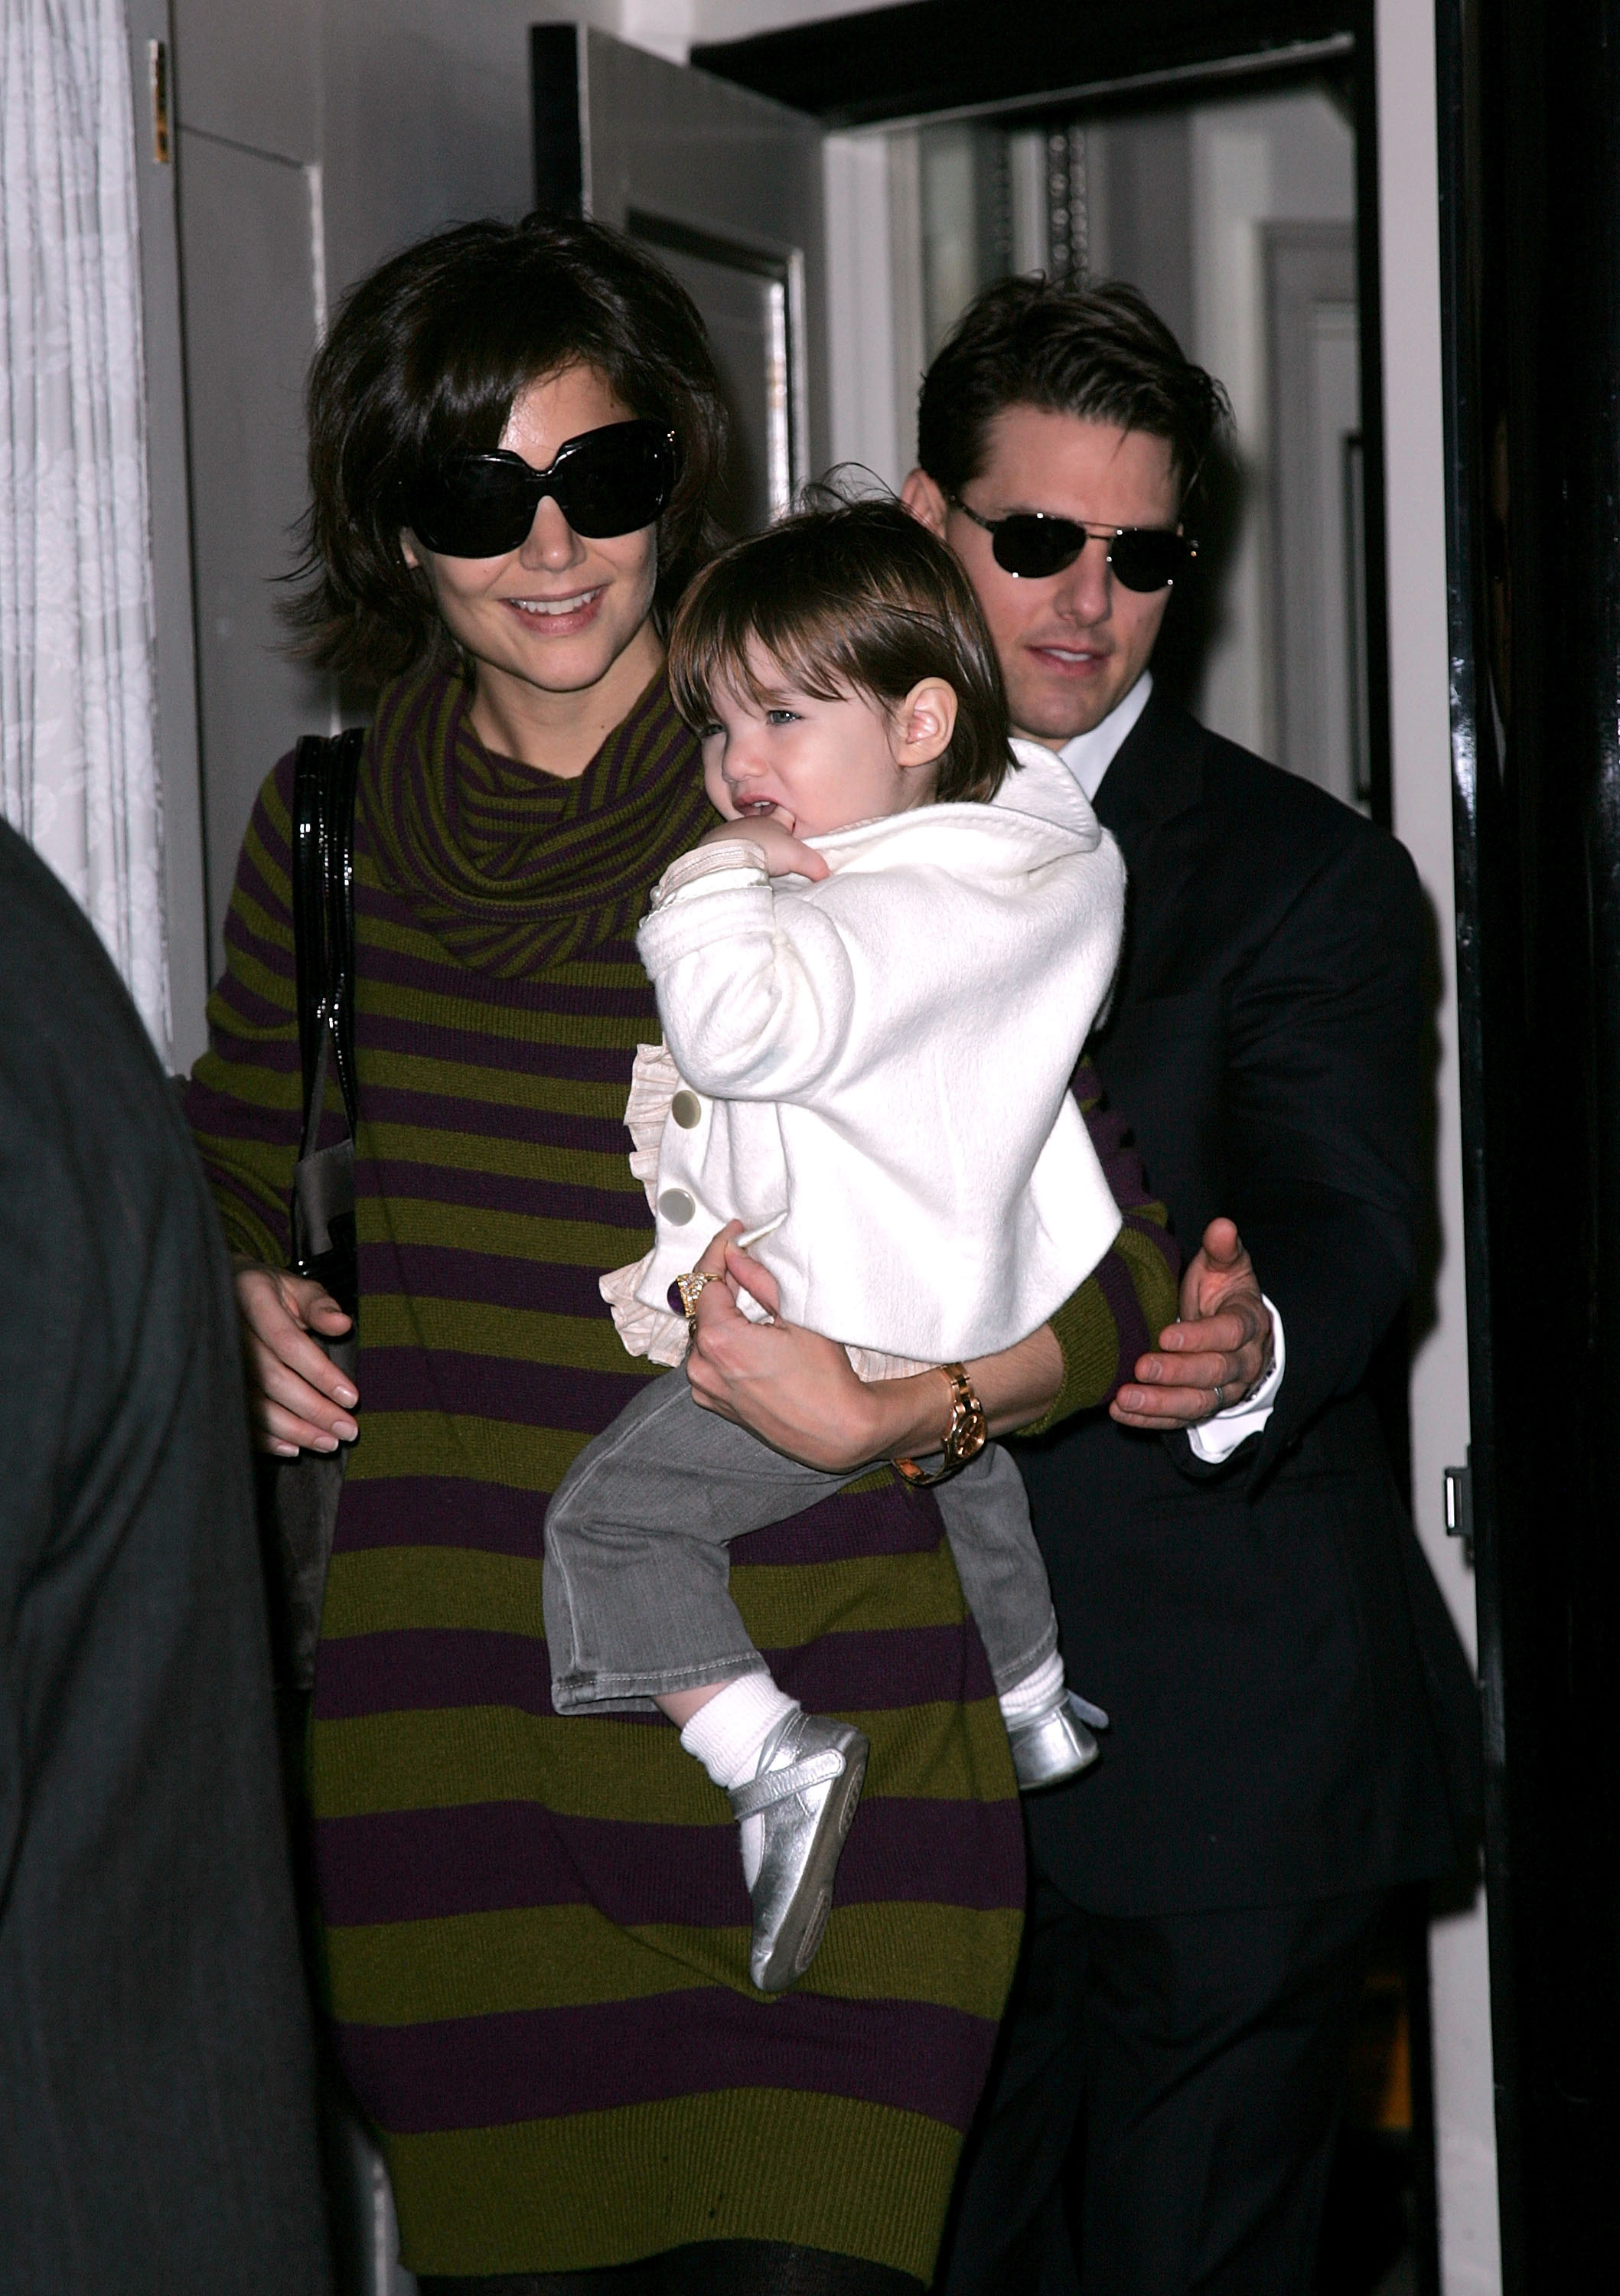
<point>713,1262</point>
<point>755,1278</point>
<point>297,1398</point>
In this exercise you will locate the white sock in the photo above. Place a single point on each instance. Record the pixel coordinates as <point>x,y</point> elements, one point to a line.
<point>728,1736</point>
<point>1036,1694</point>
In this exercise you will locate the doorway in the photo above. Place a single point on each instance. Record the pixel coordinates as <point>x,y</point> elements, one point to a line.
<point>1234,213</point>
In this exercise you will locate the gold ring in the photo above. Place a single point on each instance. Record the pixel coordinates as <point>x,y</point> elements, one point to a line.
<point>685,1294</point>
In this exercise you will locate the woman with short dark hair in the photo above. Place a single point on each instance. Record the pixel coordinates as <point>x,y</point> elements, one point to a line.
<point>536,1936</point>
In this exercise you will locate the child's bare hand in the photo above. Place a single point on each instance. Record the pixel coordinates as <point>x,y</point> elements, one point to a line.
<point>784,855</point>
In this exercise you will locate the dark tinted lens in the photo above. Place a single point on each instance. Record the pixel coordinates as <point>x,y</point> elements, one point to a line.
<point>1146,558</point>
<point>475,506</point>
<point>1035,547</point>
<point>616,481</point>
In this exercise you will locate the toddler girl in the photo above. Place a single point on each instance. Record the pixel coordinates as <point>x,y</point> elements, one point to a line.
<point>875,976</point>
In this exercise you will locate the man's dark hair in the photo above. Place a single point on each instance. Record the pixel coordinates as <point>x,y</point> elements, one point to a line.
<point>1100,352</point>
<point>858,598</point>
<point>426,356</point>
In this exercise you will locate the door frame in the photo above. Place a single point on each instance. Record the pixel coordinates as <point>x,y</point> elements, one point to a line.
<point>895,65</point>
<point>929,59</point>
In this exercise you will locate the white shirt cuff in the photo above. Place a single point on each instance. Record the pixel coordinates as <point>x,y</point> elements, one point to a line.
<point>1213,1440</point>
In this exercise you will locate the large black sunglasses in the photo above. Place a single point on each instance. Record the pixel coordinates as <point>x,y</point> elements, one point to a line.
<point>614,480</point>
<point>1032,546</point>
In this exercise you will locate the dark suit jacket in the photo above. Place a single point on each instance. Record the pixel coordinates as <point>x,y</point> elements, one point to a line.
<point>1293,1714</point>
<point>156,2122</point>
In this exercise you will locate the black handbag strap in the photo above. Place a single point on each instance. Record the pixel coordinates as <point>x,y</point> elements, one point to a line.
<point>325,770</point>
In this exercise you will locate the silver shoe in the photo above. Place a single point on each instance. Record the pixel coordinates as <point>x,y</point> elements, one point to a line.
<point>1049,1747</point>
<point>805,1795</point>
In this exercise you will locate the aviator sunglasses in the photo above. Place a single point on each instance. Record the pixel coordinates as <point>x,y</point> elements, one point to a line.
<point>614,480</point>
<point>1031,546</point>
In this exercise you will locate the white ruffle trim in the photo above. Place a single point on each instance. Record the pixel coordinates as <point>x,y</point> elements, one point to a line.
<point>653,1332</point>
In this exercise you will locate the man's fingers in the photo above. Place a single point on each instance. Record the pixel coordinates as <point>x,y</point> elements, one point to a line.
<point>1222,1334</point>
<point>1160,1410</point>
<point>1221,1242</point>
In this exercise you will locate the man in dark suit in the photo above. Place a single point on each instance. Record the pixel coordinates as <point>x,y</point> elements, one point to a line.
<point>1237,1580</point>
<point>157,2119</point>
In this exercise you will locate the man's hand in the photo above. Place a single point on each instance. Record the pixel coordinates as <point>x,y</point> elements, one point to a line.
<point>784,856</point>
<point>298,1400</point>
<point>1218,1351</point>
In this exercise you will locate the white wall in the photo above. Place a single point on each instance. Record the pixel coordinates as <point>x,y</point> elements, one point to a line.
<point>1415,449</point>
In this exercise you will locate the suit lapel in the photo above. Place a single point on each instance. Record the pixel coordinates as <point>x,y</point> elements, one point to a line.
<point>1156,774</point>
<point>1148,798</point>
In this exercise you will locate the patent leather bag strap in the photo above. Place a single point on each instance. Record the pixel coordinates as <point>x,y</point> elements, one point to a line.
<point>325,771</point>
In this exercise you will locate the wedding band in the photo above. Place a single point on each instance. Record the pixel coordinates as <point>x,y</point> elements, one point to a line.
<point>1220,1396</point>
<point>685,1294</point>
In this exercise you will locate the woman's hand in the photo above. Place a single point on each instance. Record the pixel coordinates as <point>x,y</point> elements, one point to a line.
<point>298,1400</point>
<point>798,1392</point>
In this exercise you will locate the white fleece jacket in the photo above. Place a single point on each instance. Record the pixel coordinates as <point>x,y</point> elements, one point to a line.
<point>879,1063</point>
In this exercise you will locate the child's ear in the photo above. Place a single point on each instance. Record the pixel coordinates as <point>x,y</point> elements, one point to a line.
<point>925,722</point>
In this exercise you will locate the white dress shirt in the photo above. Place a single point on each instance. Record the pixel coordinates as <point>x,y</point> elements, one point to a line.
<point>1088,757</point>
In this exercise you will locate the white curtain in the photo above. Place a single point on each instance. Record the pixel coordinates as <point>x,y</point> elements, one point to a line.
<point>79,764</point>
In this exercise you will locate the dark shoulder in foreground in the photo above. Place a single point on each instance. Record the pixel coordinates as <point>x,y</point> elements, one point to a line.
<point>64,1012</point>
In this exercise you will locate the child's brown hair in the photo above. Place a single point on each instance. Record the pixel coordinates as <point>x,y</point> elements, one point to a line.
<point>853,598</point>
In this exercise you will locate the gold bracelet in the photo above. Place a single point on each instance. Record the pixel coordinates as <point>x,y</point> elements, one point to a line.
<point>964,1438</point>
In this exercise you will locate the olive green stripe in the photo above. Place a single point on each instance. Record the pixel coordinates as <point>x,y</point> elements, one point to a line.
<point>254,1086</point>
<point>476,1327</point>
<point>491,1087</point>
<point>395,1589</point>
<point>404,1589</point>
<point>529,1958</point>
<point>512,1160</point>
<point>466,1448</point>
<point>425,1008</point>
<point>603,2188</point>
<point>497,1235</point>
<point>277,990</point>
<point>450,1756</point>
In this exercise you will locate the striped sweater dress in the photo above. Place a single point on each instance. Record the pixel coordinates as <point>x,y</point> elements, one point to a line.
<point>535,1929</point>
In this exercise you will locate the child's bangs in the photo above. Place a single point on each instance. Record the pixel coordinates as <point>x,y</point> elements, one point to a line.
<point>724,629</point>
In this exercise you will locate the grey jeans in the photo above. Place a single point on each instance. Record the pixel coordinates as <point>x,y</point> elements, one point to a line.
<point>636,1567</point>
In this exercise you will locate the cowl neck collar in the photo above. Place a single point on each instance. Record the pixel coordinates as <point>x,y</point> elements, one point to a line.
<point>509,868</point>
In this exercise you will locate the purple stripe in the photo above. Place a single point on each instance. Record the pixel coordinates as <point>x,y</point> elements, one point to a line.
<point>600,1004</point>
<point>603,1064</point>
<point>524,1394</point>
<point>432,1864</point>
<point>538,2064</point>
<point>421,1271</point>
<point>890,1521</point>
<point>424,1669</point>
<point>489,1119</point>
<point>1114,1281</point>
<point>432,1511</point>
<point>439,1510</point>
<point>496,1191</point>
